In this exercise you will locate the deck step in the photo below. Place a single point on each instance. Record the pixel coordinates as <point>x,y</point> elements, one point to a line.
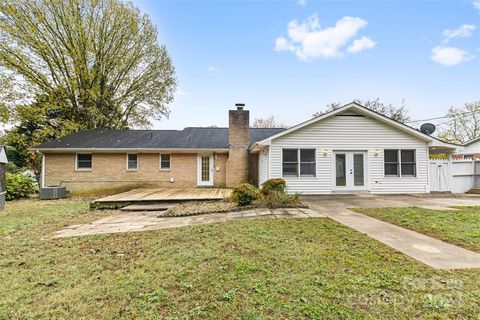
<point>474,191</point>
<point>149,207</point>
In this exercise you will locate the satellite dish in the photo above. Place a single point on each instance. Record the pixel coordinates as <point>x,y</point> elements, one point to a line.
<point>427,128</point>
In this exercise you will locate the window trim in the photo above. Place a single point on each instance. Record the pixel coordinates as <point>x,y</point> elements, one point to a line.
<point>136,168</point>
<point>414,163</point>
<point>299,163</point>
<point>83,169</point>
<point>399,164</point>
<point>314,162</point>
<point>169,162</point>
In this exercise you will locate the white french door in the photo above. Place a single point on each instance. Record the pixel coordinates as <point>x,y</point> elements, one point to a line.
<point>350,170</point>
<point>205,170</point>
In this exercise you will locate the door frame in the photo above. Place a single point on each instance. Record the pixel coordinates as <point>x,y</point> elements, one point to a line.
<point>201,183</point>
<point>349,156</point>
<point>438,172</point>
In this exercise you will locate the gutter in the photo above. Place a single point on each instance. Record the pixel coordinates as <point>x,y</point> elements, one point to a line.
<point>123,150</point>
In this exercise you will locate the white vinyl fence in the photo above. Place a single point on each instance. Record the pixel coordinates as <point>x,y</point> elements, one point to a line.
<point>456,176</point>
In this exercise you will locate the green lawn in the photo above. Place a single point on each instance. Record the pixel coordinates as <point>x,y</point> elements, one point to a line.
<point>246,269</point>
<point>461,227</point>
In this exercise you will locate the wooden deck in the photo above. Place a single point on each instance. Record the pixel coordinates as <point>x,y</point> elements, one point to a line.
<point>166,194</point>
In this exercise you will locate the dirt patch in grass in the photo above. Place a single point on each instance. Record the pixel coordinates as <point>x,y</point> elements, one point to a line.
<point>202,207</point>
<point>198,207</point>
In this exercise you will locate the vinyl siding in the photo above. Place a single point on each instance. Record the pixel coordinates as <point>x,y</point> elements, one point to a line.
<point>348,133</point>
<point>262,166</point>
<point>472,148</point>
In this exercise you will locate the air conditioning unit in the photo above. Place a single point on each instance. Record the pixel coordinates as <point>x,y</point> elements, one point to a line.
<point>53,192</point>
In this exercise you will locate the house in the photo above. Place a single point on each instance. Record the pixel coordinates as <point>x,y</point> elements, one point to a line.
<point>472,149</point>
<point>3,169</point>
<point>351,149</point>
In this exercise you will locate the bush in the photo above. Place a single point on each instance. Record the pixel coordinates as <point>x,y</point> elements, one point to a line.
<point>279,199</point>
<point>18,185</point>
<point>244,194</point>
<point>277,184</point>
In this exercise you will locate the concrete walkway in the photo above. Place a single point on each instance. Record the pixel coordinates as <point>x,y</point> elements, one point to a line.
<point>144,221</point>
<point>435,253</point>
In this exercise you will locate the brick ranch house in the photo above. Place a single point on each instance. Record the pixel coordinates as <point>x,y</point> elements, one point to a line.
<point>351,149</point>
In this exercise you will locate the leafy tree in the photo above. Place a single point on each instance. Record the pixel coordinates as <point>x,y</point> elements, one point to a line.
<point>35,123</point>
<point>399,114</point>
<point>98,60</point>
<point>463,124</point>
<point>70,65</point>
<point>269,122</point>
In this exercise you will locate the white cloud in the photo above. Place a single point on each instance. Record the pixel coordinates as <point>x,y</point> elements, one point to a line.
<point>181,92</point>
<point>213,69</point>
<point>463,31</point>
<point>361,44</point>
<point>302,2</point>
<point>449,56</point>
<point>476,4</point>
<point>307,40</point>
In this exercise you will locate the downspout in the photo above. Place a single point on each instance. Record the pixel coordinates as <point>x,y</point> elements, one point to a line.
<point>42,179</point>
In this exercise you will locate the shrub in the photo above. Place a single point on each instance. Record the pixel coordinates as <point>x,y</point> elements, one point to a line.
<point>18,185</point>
<point>244,194</point>
<point>277,184</point>
<point>279,199</point>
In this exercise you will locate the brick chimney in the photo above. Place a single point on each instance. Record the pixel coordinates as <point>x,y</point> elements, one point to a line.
<point>238,141</point>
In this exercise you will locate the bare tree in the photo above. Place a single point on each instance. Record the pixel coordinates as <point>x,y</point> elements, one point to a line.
<point>269,122</point>
<point>463,124</point>
<point>399,114</point>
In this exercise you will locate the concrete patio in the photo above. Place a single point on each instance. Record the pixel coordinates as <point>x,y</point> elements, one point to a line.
<point>144,221</point>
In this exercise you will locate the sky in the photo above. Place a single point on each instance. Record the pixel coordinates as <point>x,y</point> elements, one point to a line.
<point>291,58</point>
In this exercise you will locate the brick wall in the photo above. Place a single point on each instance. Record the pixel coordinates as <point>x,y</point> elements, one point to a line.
<point>109,174</point>
<point>238,139</point>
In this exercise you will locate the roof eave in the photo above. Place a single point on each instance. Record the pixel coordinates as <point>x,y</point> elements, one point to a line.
<point>361,109</point>
<point>122,150</point>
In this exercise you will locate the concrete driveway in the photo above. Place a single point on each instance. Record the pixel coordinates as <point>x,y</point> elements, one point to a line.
<point>433,252</point>
<point>340,202</point>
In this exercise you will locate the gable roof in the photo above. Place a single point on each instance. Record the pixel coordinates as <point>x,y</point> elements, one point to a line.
<point>353,106</point>
<point>471,141</point>
<point>188,138</point>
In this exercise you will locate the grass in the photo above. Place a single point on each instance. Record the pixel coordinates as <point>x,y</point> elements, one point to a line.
<point>244,269</point>
<point>460,227</point>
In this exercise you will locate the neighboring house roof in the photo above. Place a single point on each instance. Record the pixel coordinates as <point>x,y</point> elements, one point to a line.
<point>3,155</point>
<point>353,106</point>
<point>471,141</point>
<point>188,138</point>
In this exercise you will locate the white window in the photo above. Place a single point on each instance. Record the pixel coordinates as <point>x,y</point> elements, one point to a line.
<point>83,162</point>
<point>132,161</point>
<point>165,162</point>
<point>400,163</point>
<point>298,162</point>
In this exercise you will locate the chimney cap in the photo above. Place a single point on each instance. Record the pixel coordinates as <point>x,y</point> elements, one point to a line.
<point>239,106</point>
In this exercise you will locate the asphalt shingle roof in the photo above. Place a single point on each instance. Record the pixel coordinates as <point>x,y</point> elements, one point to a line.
<point>188,138</point>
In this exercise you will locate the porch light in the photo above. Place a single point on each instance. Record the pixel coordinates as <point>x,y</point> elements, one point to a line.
<point>377,152</point>
<point>325,152</point>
